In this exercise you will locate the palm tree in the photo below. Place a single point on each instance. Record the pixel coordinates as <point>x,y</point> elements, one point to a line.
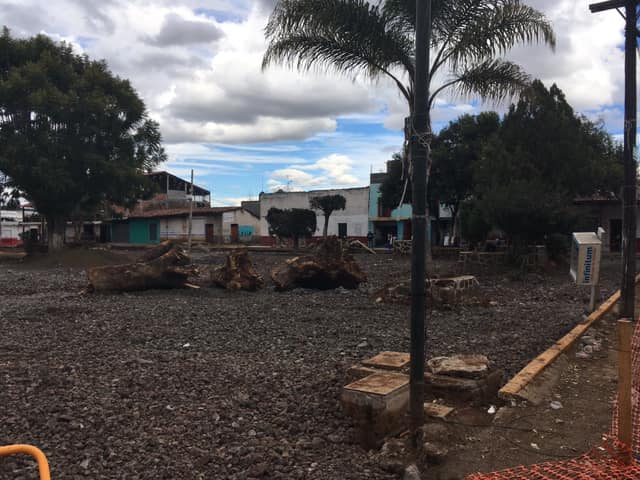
<point>356,37</point>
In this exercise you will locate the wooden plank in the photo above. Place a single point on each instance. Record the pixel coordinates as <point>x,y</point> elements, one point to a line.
<point>362,245</point>
<point>537,365</point>
<point>625,431</point>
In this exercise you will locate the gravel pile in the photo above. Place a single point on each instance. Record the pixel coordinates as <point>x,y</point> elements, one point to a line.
<point>196,384</point>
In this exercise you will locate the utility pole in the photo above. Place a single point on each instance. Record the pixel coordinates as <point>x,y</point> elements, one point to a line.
<point>419,124</point>
<point>190,213</point>
<point>630,166</point>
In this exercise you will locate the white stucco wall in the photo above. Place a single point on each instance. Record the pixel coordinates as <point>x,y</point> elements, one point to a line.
<point>355,214</point>
<point>242,218</point>
<point>178,227</point>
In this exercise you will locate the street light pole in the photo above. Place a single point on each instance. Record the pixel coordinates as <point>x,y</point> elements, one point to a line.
<point>419,150</point>
<point>629,200</point>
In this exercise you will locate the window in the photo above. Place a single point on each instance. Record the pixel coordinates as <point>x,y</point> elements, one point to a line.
<point>342,230</point>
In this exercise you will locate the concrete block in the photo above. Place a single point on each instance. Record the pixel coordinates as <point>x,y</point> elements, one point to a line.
<point>378,404</point>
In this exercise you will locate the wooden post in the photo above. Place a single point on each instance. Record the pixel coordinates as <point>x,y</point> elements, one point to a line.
<point>625,332</point>
<point>190,213</point>
<point>592,299</point>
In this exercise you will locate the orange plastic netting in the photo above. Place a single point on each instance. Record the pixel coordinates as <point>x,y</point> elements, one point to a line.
<point>610,461</point>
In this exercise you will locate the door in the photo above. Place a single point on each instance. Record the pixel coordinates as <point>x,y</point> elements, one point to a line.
<point>153,232</point>
<point>234,233</point>
<point>208,232</point>
<point>615,237</point>
<point>342,230</point>
<point>407,235</point>
<point>120,233</point>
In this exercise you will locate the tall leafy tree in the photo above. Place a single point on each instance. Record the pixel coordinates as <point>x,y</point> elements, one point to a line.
<point>328,204</point>
<point>377,40</point>
<point>295,223</point>
<point>542,158</point>
<point>71,133</point>
<point>456,149</point>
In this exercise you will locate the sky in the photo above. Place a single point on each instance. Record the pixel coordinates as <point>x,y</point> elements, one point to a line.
<point>197,66</point>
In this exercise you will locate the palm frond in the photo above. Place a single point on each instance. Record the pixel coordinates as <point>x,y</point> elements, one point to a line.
<point>479,30</point>
<point>492,80</point>
<point>347,36</point>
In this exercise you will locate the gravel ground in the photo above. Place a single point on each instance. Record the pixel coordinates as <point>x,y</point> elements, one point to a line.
<point>196,384</point>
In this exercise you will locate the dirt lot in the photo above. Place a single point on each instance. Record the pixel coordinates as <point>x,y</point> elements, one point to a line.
<point>205,383</point>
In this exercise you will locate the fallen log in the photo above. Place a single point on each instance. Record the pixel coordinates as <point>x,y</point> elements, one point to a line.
<point>157,251</point>
<point>330,266</point>
<point>237,273</point>
<point>168,270</point>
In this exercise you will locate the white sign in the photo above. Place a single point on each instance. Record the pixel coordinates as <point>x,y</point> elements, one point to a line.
<point>228,217</point>
<point>586,250</point>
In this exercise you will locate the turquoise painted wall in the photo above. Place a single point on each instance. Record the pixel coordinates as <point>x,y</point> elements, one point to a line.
<point>374,193</point>
<point>374,198</point>
<point>139,230</point>
<point>405,211</point>
<point>245,231</point>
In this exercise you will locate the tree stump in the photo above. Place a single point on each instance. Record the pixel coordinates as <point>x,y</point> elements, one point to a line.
<point>330,266</point>
<point>164,266</point>
<point>237,273</point>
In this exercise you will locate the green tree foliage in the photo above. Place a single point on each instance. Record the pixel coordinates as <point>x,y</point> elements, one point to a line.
<point>393,189</point>
<point>456,149</point>
<point>295,223</point>
<point>327,204</point>
<point>473,226</point>
<point>377,40</point>
<point>71,133</point>
<point>542,158</point>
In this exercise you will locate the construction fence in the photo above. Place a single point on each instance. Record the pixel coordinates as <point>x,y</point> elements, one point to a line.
<point>609,461</point>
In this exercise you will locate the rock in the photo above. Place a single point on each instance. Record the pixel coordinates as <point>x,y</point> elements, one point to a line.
<point>434,452</point>
<point>466,366</point>
<point>411,473</point>
<point>393,446</point>
<point>484,389</point>
<point>259,470</point>
<point>392,465</point>
<point>433,431</point>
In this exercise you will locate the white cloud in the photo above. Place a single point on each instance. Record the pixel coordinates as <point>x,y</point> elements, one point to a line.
<point>177,30</point>
<point>197,66</point>
<point>334,170</point>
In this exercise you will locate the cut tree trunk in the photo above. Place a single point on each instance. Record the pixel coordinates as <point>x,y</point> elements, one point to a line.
<point>237,273</point>
<point>328,267</point>
<point>168,269</point>
<point>55,233</point>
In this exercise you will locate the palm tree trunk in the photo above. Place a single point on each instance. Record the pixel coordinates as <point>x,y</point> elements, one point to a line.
<point>326,226</point>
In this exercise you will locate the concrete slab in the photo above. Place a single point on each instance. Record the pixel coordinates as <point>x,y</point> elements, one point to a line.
<point>382,384</point>
<point>466,366</point>
<point>388,361</point>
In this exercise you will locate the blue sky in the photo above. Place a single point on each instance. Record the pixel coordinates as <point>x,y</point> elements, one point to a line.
<point>196,64</point>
